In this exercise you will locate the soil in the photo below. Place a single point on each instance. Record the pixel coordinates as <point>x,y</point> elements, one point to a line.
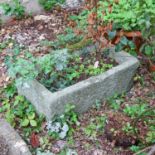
<point>3,147</point>
<point>114,132</point>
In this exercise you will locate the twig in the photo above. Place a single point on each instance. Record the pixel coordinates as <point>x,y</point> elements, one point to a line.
<point>145,149</point>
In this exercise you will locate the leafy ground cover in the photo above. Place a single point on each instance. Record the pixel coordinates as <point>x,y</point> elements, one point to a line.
<point>58,69</point>
<point>107,128</point>
<point>124,124</point>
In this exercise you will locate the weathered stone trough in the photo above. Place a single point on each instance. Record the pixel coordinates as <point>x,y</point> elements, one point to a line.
<point>16,146</point>
<point>83,94</point>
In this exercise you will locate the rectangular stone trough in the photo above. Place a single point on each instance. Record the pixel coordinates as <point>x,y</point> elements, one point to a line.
<point>83,94</point>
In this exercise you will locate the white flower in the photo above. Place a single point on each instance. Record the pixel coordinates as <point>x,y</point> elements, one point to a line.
<point>96,64</point>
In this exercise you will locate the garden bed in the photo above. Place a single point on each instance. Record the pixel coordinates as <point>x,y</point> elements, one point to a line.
<point>85,93</point>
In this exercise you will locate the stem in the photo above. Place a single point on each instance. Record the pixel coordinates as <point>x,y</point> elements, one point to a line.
<point>145,149</point>
<point>142,116</point>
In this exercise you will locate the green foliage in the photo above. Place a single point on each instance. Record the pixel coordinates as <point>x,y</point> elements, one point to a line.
<point>144,113</point>
<point>90,130</point>
<point>15,9</point>
<point>23,70</point>
<point>126,45</point>
<point>52,63</point>
<point>98,104</point>
<point>67,151</point>
<point>28,68</point>
<point>129,129</point>
<point>44,142</point>
<point>116,101</point>
<point>49,4</point>
<point>150,138</point>
<point>61,126</point>
<point>136,149</point>
<point>70,74</point>
<point>132,15</point>
<point>128,14</point>
<point>56,70</point>
<point>1,22</point>
<point>95,127</point>
<point>140,79</point>
<point>153,76</point>
<point>135,110</point>
<point>10,90</point>
<point>3,45</point>
<point>19,112</point>
<point>92,71</point>
<point>69,38</point>
<point>148,117</point>
<point>81,20</point>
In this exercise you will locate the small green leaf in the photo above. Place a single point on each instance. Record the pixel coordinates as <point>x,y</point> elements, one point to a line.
<point>148,50</point>
<point>25,122</point>
<point>124,40</point>
<point>33,123</point>
<point>31,115</point>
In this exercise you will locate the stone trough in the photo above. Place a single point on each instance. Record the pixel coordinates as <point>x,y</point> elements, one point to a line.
<point>85,93</point>
<point>15,145</point>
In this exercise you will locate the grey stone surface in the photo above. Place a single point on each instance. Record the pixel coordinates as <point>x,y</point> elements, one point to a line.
<point>73,3</point>
<point>16,145</point>
<point>85,93</point>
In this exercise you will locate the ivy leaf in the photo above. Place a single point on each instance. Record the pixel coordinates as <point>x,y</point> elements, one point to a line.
<point>73,17</point>
<point>33,123</point>
<point>31,116</point>
<point>118,47</point>
<point>148,50</point>
<point>10,90</point>
<point>25,122</point>
<point>124,40</point>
